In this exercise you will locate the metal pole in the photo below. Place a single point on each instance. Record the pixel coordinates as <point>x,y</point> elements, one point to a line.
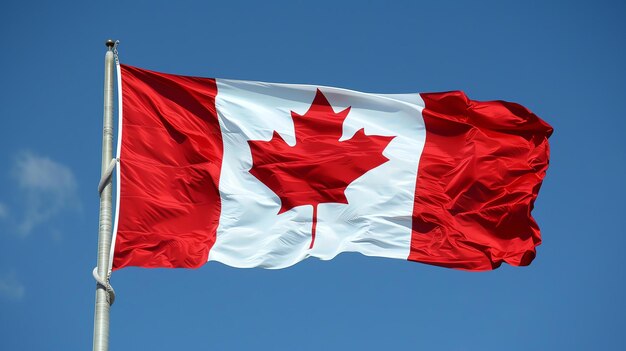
<point>101,317</point>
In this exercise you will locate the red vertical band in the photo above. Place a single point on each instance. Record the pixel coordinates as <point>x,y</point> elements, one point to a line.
<point>478,177</point>
<point>170,162</point>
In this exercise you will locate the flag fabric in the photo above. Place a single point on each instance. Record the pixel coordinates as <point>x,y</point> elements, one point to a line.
<point>256,174</point>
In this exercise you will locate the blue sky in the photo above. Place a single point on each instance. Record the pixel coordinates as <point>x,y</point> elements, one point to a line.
<point>562,59</point>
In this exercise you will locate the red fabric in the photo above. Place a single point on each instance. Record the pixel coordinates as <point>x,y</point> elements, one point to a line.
<point>478,177</point>
<point>170,164</point>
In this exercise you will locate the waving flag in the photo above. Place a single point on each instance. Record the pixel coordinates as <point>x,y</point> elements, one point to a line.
<point>255,174</point>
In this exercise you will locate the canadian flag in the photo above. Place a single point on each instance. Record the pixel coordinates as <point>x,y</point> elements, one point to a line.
<point>256,174</point>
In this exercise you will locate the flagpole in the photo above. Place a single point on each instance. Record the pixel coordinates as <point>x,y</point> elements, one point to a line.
<point>103,292</point>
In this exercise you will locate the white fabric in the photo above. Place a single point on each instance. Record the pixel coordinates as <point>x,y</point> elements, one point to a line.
<point>377,219</point>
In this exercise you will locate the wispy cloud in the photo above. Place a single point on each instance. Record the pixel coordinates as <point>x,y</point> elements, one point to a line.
<point>11,288</point>
<point>47,188</point>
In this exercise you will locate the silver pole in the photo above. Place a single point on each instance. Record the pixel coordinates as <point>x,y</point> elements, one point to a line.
<point>101,317</point>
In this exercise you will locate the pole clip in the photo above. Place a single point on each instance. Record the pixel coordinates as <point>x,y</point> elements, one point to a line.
<point>107,175</point>
<point>104,283</point>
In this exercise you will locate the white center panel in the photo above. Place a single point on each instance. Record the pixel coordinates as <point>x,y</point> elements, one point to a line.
<point>377,219</point>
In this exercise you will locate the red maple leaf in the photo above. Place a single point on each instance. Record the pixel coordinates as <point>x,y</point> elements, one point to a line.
<point>319,167</point>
